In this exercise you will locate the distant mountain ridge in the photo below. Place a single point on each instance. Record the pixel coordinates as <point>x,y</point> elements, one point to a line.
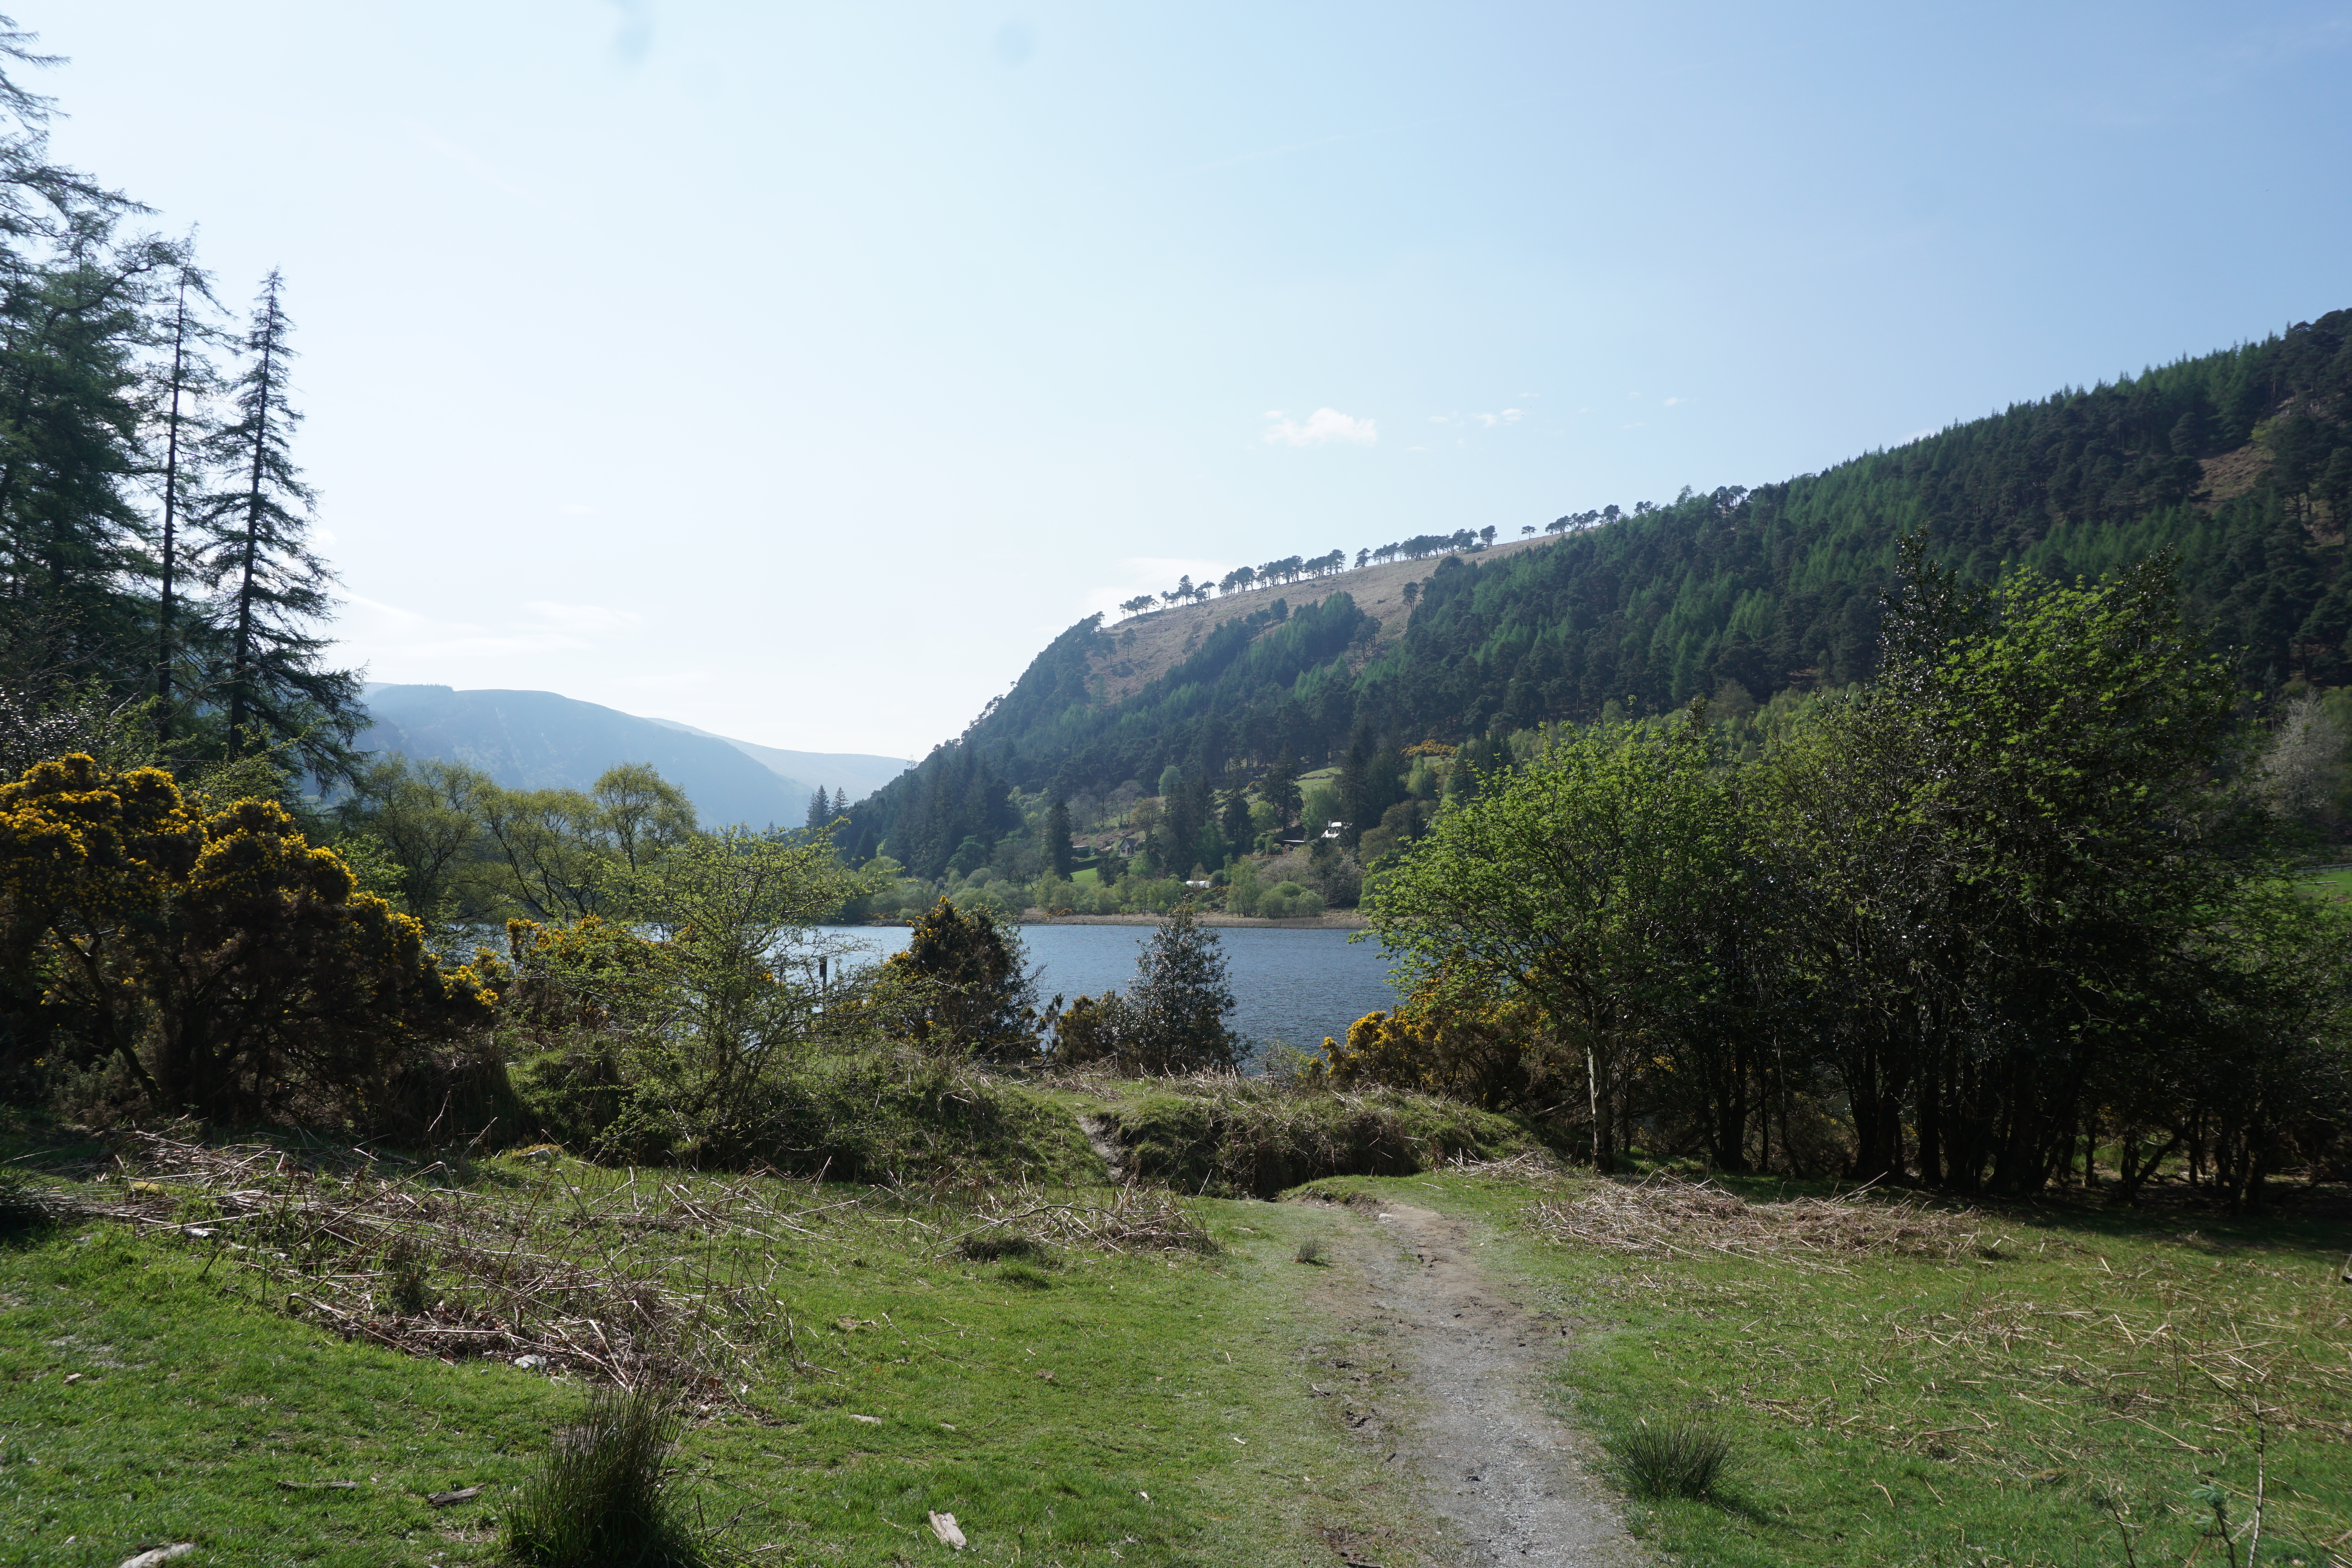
<point>542,739</point>
<point>856,772</point>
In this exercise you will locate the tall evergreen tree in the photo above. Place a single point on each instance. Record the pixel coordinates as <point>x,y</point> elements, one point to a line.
<point>184,385</point>
<point>258,557</point>
<point>1057,837</point>
<point>820,809</point>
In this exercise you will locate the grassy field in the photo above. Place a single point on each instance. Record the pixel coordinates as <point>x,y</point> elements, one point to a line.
<point>1083,1377</point>
<point>1068,1401</point>
<point>2044,1385</point>
<point>2336,884</point>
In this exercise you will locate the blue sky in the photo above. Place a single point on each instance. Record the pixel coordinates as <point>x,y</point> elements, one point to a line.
<point>798,371</point>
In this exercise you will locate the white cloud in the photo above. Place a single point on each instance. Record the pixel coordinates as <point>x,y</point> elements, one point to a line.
<point>573,508</point>
<point>1320,429</point>
<point>1672,401</point>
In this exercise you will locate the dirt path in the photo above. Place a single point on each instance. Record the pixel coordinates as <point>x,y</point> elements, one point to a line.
<point>1466,1415</point>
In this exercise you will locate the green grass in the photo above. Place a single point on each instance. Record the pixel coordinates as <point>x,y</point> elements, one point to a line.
<point>1997,1410</point>
<point>2336,884</point>
<point>1064,1405</point>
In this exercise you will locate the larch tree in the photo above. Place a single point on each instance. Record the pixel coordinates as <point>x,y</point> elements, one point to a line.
<point>259,559</point>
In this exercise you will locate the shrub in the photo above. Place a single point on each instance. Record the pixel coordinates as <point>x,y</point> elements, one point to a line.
<point>606,1495</point>
<point>1171,1021</point>
<point>1238,1138</point>
<point>230,965</point>
<point>1671,1460</point>
<point>978,998</point>
<point>1492,1054</point>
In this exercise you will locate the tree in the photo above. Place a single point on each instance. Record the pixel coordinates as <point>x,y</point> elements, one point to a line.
<point>1172,1018</point>
<point>643,814</point>
<point>1281,792</point>
<point>820,810</point>
<point>190,377</point>
<point>1058,839</point>
<point>257,552</point>
<point>974,996</point>
<point>1234,819</point>
<point>724,1005</point>
<point>1586,883</point>
<point>1180,999</point>
<point>425,812</point>
<point>1486,536</point>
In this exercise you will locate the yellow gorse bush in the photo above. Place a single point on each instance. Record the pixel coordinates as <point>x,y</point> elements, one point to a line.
<point>227,961</point>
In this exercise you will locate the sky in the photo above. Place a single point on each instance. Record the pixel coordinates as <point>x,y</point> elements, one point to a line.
<point>799,372</point>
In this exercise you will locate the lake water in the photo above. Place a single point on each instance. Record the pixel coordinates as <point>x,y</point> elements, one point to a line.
<point>1295,986</point>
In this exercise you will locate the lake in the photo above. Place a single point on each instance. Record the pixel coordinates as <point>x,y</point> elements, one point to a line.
<point>1295,986</point>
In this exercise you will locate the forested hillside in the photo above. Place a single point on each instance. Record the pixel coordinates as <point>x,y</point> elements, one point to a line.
<point>2240,461</point>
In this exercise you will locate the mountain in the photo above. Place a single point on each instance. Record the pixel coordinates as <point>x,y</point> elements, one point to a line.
<point>2240,462</point>
<point>537,739</point>
<point>856,772</point>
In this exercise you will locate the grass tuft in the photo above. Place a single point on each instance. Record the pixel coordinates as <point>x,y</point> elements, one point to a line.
<point>1310,1250</point>
<point>1681,1459</point>
<point>25,1209</point>
<point>996,1246</point>
<point>605,1496</point>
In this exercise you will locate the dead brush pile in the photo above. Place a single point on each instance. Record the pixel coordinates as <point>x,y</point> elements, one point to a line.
<point>648,1278</point>
<point>1148,1219</point>
<point>1667,1217</point>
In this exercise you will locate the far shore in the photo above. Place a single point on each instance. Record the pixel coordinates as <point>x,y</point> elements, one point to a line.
<point>1335,919</point>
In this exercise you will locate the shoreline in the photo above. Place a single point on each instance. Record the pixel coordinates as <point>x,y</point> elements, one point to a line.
<point>1335,919</point>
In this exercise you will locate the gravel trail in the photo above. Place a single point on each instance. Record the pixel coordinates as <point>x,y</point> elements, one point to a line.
<point>1465,1416</point>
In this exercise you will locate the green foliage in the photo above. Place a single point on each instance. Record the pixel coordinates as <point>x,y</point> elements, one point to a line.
<point>2019,887</point>
<point>224,962</point>
<point>975,998</point>
<point>1172,1018</point>
<point>1247,1137</point>
<point>607,1494</point>
<point>1584,883</point>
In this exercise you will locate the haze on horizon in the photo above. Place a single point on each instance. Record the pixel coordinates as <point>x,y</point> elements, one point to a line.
<point>798,372</point>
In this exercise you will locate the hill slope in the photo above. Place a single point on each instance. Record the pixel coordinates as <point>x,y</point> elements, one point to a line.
<point>2240,461</point>
<point>537,739</point>
<point>858,772</point>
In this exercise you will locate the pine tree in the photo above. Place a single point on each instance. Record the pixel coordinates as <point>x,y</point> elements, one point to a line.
<point>258,552</point>
<point>1057,838</point>
<point>190,376</point>
<point>820,809</point>
<point>841,801</point>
